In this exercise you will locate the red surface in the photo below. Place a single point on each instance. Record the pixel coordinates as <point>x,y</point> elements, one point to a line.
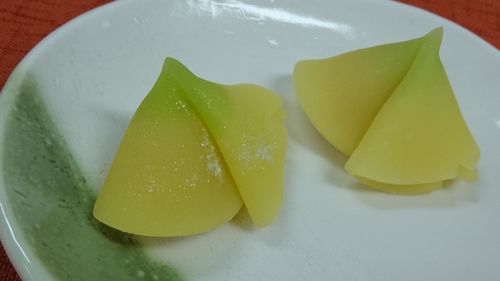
<point>24,23</point>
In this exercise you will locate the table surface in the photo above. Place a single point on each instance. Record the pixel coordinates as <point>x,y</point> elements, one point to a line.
<point>24,23</point>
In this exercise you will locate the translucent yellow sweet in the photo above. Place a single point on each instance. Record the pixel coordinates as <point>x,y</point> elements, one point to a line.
<point>255,151</point>
<point>392,110</point>
<point>170,175</point>
<point>252,141</point>
<point>167,178</point>
<point>341,95</point>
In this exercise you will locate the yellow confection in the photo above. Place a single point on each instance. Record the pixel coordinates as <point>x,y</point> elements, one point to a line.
<point>252,140</point>
<point>341,95</point>
<point>254,148</point>
<point>170,175</point>
<point>399,120</point>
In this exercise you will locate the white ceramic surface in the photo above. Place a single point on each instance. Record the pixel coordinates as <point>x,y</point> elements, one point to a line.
<point>93,72</point>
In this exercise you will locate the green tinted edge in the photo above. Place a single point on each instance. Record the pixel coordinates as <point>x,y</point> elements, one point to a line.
<point>210,99</point>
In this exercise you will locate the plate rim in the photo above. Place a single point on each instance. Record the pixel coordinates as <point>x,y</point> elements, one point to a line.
<point>29,266</point>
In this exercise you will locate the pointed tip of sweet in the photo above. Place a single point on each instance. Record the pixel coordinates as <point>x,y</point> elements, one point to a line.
<point>435,35</point>
<point>438,31</point>
<point>173,64</point>
<point>171,60</point>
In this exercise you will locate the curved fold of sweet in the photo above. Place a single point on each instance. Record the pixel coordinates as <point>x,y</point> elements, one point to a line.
<point>391,109</point>
<point>193,154</point>
<point>252,140</point>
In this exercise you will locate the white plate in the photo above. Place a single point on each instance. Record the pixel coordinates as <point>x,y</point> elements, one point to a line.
<point>92,73</point>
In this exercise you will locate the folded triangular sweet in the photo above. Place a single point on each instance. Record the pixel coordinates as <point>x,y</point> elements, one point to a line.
<point>400,122</point>
<point>194,152</point>
<point>167,178</point>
